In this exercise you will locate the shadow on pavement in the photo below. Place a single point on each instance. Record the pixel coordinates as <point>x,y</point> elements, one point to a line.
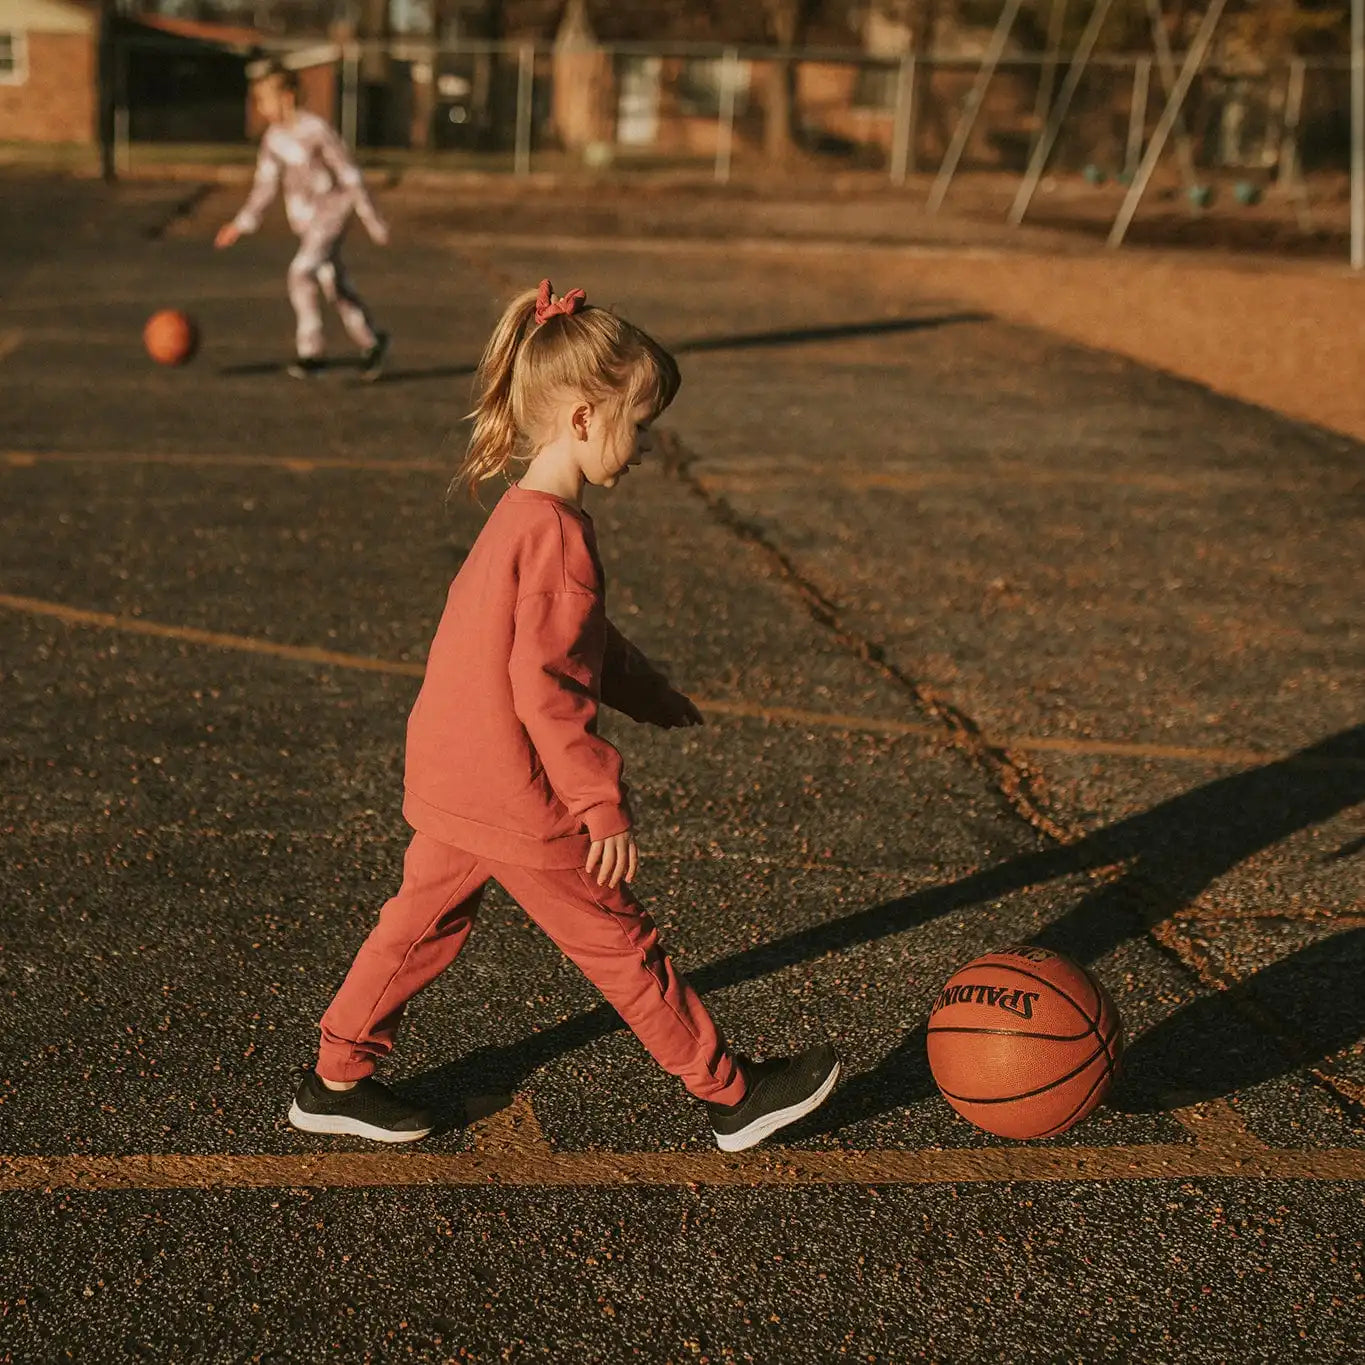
<point>1208,1050</point>
<point>398,376</point>
<point>432,372</point>
<point>792,336</point>
<point>795,336</point>
<point>1169,855</point>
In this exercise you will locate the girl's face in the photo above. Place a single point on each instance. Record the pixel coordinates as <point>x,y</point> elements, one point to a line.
<point>614,444</point>
<point>274,100</point>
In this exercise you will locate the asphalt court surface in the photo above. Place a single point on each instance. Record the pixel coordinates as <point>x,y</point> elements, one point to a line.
<point>998,638</point>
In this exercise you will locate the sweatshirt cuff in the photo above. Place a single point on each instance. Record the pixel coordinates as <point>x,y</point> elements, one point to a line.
<point>605,820</point>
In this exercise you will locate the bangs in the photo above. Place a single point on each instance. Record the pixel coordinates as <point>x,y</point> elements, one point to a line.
<point>653,379</point>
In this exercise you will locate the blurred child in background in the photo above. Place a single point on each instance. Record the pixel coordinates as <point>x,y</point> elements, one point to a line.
<point>322,188</point>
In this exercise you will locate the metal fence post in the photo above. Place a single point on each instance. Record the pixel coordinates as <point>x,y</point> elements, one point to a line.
<point>967,121</point>
<point>903,127</point>
<point>1137,115</point>
<point>123,143</point>
<point>725,127</point>
<point>123,116</point>
<point>1203,39</point>
<point>1358,134</point>
<point>526,75</point>
<point>350,93</point>
<point>1293,113</point>
<point>1054,119</point>
<point>105,68</point>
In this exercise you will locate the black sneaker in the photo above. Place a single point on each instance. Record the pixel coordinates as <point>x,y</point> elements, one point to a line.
<point>779,1093</point>
<point>304,367</point>
<point>368,1110</point>
<point>372,362</point>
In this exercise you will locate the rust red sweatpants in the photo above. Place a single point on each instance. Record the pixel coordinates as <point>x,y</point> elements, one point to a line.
<point>603,931</point>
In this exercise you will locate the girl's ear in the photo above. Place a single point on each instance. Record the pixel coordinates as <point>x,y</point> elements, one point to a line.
<point>582,420</point>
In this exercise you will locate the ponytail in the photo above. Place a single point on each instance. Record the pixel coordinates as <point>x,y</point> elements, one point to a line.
<point>493,442</point>
<point>543,348</point>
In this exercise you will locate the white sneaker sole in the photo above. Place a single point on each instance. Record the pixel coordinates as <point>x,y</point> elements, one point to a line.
<point>768,1124</point>
<point>340,1126</point>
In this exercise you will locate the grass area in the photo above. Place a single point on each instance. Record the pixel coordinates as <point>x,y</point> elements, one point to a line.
<point>55,156</point>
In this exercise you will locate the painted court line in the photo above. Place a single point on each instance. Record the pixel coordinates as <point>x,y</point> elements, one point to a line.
<point>788,715</point>
<point>1215,1123</point>
<point>510,1149</point>
<point>360,1170</point>
<point>134,625</point>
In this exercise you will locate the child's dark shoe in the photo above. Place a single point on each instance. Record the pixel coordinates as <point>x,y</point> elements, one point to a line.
<point>372,362</point>
<point>780,1092</point>
<point>304,367</point>
<point>368,1110</point>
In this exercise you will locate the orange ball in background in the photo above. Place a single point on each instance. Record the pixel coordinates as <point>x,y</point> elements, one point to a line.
<point>1024,1043</point>
<point>171,338</point>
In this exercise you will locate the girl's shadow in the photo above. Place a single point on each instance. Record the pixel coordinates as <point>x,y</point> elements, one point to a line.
<point>1207,1051</point>
<point>1169,854</point>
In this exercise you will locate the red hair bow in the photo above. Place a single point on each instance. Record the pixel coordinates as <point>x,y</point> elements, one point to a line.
<point>547,306</point>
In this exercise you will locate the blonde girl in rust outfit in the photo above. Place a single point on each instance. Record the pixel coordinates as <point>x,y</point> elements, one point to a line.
<point>507,778</point>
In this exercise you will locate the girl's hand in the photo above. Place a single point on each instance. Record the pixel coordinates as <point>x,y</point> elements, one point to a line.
<point>227,235</point>
<point>614,859</point>
<point>676,711</point>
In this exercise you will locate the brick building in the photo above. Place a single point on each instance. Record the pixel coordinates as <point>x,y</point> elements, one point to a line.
<point>180,80</point>
<point>48,71</point>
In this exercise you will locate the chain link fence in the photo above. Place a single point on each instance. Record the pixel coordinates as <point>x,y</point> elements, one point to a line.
<point>735,114</point>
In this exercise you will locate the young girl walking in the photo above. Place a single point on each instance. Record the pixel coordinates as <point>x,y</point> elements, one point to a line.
<point>507,778</point>
<point>322,188</point>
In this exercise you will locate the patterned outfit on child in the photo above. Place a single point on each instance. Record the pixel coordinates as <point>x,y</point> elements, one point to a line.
<point>322,187</point>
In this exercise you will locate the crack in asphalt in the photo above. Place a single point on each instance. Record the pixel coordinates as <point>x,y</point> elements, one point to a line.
<point>1019,784</point>
<point>1013,778</point>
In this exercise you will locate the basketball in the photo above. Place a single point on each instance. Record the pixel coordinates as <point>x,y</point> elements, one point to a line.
<point>171,338</point>
<point>1024,1043</point>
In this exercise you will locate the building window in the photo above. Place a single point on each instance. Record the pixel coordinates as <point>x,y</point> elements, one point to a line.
<point>13,58</point>
<point>876,88</point>
<point>700,87</point>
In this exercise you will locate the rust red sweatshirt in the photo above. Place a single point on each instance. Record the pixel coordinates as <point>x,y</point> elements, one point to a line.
<point>503,755</point>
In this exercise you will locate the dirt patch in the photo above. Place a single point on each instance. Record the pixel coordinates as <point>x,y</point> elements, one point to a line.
<point>1292,340</point>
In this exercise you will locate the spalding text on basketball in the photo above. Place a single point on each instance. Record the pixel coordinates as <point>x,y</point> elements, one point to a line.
<point>1015,1001</point>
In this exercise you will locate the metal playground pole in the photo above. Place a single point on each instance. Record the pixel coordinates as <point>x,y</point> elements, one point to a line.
<point>1193,61</point>
<point>1165,64</point>
<point>975,97</point>
<point>1290,173</point>
<point>1054,120</point>
<point>1137,115</point>
<point>1047,75</point>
